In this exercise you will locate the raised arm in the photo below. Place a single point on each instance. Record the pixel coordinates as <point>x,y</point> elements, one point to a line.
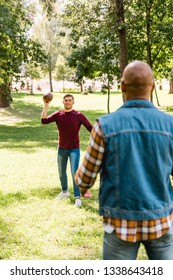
<point>45,110</point>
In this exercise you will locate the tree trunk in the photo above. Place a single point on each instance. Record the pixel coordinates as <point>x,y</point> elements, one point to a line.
<point>148,21</point>
<point>108,101</point>
<point>63,87</point>
<point>5,96</point>
<point>171,82</point>
<point>50,74</point>
<point>32,92</point>
<point>171,87</point>
<point>123,56</point>
<point>50,80</point>
<point>123,52</point>
<point>82,85</point>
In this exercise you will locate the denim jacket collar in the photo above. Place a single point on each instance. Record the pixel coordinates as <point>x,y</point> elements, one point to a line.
<point>138,103</point>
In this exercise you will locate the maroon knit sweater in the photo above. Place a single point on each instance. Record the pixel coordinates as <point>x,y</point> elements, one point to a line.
<point>68,124</point>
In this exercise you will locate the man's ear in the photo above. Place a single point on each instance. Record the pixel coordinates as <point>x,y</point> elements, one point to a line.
<point>153,87</point>
<point>123,86</point>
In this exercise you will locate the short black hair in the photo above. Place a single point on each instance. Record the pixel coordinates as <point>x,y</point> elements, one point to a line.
<point>68,95</point>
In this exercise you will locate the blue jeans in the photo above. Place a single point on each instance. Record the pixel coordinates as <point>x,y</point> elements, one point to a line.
<point>62,159</point>
<point>157,249</point>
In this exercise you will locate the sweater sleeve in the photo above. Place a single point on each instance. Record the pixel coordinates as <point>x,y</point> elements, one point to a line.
<point>85,121</point>
<point>49,119</point>
<point>87,172</point>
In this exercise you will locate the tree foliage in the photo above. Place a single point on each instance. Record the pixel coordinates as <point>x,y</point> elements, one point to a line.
<point>104,36</point>
<point>129,29</point>
<point>48,6</point>
<point>93,39</point>
<point>150,38</point>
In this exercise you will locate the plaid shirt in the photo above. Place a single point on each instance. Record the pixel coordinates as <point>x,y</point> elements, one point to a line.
<point>128,230</point>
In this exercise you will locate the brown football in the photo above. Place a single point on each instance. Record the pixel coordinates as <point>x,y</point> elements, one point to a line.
<point>47,97</point>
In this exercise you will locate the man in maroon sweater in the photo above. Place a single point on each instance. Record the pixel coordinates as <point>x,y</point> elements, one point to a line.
<point>68,122</point>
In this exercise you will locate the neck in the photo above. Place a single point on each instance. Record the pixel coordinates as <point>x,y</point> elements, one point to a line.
<point>67,110</point>
<point>131,96</point>
<point>137,98</point>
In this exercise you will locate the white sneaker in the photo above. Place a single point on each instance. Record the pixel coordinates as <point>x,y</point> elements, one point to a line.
<point>78,202</point>
<point>63,195</point>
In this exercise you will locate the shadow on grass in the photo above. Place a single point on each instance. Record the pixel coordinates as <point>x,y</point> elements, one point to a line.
<point>20,197</point>
<point>169,109</point>
<point>46,193</point>
<point>27,137</point>
<point>11,198</point>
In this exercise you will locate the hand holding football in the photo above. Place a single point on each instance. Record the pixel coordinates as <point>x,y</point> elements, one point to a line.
<point>47,97</point>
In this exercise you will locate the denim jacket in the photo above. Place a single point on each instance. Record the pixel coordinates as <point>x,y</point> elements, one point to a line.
<point>137,163</point>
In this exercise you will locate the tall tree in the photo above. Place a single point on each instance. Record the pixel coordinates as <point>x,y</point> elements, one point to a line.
<point>15,45</point>
<point>49,33</point>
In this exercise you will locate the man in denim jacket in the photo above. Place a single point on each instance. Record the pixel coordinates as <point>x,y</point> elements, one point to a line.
<point>132,148</point>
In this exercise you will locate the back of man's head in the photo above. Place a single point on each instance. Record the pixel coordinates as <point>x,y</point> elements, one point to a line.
<point>137,80</point>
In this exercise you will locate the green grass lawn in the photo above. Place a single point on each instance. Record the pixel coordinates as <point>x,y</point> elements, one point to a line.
<point>34,226</point>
